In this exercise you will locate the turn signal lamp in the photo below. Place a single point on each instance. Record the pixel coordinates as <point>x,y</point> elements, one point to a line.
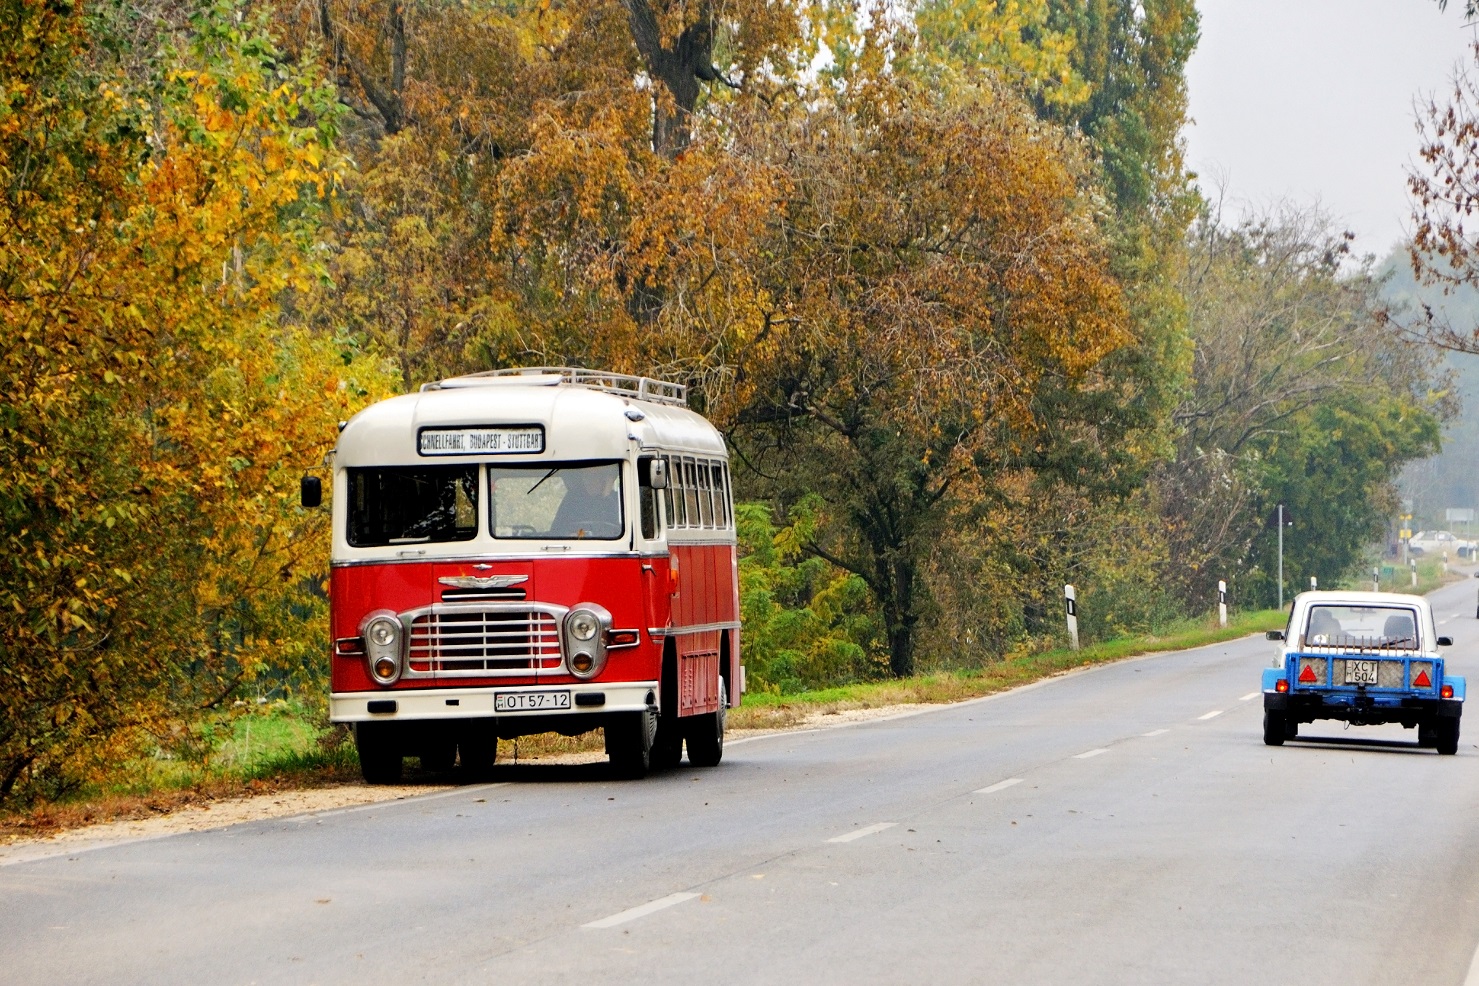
<point>582,663</point>
<point>673,577</point>
<point>1281,686</point>
<point>1447,691</point>
<point>385,668</point>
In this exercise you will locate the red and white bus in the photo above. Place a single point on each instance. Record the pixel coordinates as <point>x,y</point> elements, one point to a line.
<point>536,550</point>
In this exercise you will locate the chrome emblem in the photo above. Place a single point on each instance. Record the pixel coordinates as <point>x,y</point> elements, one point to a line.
<point>482,581</point>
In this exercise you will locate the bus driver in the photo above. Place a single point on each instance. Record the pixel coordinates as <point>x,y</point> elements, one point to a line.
<point>592,506</point>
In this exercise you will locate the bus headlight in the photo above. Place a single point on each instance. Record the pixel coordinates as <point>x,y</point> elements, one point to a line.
<point>585,639</point>
<point>382,633</point>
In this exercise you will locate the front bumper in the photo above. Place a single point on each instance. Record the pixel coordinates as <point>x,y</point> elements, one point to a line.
<point>412,704</point>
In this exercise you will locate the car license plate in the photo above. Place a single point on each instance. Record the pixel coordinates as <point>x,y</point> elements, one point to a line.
<point>535,701</point>
<point>1360,672</point>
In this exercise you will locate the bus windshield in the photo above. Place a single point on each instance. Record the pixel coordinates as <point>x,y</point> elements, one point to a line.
<point>400,505</point>
<point>563,500</point>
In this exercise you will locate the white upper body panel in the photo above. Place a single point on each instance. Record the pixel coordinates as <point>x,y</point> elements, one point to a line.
<point>579,422</point>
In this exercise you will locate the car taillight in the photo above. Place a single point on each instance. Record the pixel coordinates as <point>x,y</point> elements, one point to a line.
<point>1281,686</point>
<point>1446,691</point>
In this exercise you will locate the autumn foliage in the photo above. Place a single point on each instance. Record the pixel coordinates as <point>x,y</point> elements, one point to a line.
<point>157,411</point>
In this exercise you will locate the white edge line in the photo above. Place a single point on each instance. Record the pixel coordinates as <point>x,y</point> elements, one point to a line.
<point>1156,732</point>
<point>1090,753</point>
<point>641,911</point>
<point>865,831</point>
<point>1250,696</point>
<point>1472,979</point>
<point>1211,715</point>
<point>998,786</point>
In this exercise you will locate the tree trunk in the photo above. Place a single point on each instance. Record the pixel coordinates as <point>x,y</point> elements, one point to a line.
<point>678,67</point>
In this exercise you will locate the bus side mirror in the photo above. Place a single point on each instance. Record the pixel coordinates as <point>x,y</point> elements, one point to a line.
<point>311,491</point>
<point>1274,634</point>
<point>654,473</point>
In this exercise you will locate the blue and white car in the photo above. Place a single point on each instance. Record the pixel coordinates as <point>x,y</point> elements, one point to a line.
<point>1364,658</point>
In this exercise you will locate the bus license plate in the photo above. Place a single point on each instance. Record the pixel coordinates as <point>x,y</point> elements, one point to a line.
<point>1360,672</point>
<point>538,701</point>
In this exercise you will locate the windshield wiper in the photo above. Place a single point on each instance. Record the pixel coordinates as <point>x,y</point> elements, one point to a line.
<point>542,479</point>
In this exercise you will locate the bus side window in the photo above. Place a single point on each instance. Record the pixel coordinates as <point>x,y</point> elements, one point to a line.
<point>648,504</point>
<point>705,494</point>
<point>668,494</point>
<point>726,508</point>
<point>690,493</point>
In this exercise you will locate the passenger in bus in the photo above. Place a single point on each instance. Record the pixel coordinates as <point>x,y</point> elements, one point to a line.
<point>591,507</point>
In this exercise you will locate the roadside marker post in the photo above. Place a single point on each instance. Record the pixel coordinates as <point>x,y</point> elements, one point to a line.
<point>1070,609</point>
<point>1375,578</point>
<point>1413,563</point>
<point>1222,602</point>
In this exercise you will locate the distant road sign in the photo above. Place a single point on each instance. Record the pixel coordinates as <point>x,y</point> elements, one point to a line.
<point>1459,515</point>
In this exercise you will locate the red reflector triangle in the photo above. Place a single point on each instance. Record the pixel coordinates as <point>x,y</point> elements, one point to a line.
<point>1422,680</point>
<point>1307,676</point>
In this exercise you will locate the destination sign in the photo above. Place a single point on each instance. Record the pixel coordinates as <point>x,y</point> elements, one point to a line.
<point>481,441</point>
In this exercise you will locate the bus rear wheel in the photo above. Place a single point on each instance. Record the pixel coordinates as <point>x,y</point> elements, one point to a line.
<point>380,755</point>
<point>706,734</point>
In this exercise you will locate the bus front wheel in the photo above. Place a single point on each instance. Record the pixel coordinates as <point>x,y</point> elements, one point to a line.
<point>629,737</point>
<point>379,751</point>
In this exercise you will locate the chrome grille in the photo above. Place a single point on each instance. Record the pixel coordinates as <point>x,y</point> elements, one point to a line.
<point>482,642</point>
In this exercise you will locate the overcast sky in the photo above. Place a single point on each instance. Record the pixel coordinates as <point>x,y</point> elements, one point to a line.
<point>1312,101</point>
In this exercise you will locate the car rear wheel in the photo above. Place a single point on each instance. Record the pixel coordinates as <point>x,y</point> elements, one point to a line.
<point>1448,736</point>
<point>1275,728</point>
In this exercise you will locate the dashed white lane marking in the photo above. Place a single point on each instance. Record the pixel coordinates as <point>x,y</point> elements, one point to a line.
<point>1250,696</point>
<point>1211,715</point>
<point>864,831</point>
<point>998,786</point>
<point>632,914</point>
<point>1156,732</point>
<point>1090,753</point>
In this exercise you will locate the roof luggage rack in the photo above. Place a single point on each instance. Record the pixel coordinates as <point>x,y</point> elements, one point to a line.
<point>620,384</point>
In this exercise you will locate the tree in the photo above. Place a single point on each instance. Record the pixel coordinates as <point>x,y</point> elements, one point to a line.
<point>1445,193</point>
<point>940,302</point>
<point>156,206</point>
<point>1303,394</point>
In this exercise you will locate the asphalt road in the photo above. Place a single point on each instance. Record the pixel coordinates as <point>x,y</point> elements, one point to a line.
<point>1123,824</point>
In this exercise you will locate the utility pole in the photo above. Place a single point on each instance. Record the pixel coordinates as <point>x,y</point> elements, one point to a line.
<point>1281,557</point>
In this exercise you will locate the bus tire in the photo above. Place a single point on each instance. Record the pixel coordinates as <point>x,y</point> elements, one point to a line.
<point>629,737</point>
<point>1447,736</point>
<point>380,755</point>
<point>706,734</point>
<point>477,748</point>
<point>667,748</point>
